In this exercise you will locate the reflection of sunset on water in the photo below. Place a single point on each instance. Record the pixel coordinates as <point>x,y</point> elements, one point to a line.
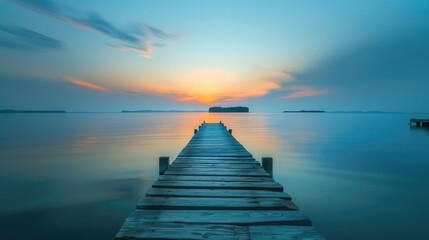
<point>109,160</point>
<point>250,129</point>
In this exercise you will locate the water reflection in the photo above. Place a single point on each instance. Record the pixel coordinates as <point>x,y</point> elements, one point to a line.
<point>79,175</point>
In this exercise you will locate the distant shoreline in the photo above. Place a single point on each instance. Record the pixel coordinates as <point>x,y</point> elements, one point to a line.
<point>306,111</point>
<point>160,111</point>
<point>31,111</point>
<point>12,111</point>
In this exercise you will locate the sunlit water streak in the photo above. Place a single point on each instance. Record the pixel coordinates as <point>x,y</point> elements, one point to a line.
<point>77,176</point>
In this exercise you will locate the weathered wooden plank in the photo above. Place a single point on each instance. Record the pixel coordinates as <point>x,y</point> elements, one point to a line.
<point>180,161</point>
<point>202,154</point>
<point>215,158</point>
<point>202,147</point>
<point>235,217</point>
<point>219,159</point>
<point>226,170</point>
<point>214,147</point>
<point>216,165</point>
<point>213,178</point>
<point>218,173</point>
<point>269,186</point>
<point>284,232</point>
<point>145,230</point>
<point>214,152</point>
<point>211,144</point>
<point>214,193</point>
<point>221,142</point>
<point>131,230</point>
<point>180,203</point>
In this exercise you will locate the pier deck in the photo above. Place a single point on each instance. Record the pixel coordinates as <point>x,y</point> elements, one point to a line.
<point>215,189</point>
<point>421,123</point>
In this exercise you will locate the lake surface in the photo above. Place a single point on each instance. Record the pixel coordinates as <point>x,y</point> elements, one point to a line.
<point>78,175</point>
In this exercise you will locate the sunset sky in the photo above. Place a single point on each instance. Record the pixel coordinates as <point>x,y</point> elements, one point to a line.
<point>80,55</point>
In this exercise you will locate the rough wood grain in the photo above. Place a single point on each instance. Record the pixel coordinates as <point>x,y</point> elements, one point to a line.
<point>208,169</point>
<point>216,165</point>
<point>284,232</point>
<point>215,158</point>
<point>234,217</point>
<point>269,186</point>
<point>176,203</point>
<point>214,178</point>
<point>218,161</point>
<point>214,193</point>
<point>218,173</point>
<point>131,230</point>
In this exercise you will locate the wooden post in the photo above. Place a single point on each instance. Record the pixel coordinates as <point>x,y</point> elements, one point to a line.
<point>195,131</point>
<point>230,131</point>
<point>204,122</point>
<point>164,162</point>
<point>267,164</point>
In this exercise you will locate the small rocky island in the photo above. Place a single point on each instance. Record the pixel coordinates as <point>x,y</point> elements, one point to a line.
<point>229,109</point>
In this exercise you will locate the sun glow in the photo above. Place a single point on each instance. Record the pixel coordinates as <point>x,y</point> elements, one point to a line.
<point>208,100</point>
<point>208,86</point>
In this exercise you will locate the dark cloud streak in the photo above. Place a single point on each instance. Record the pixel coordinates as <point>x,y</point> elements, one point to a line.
<point>139,37</point>
<point>96,22</point>
<point>18,38</point>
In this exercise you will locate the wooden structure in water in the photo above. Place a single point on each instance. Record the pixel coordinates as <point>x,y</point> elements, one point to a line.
<point>215,189</point>
<point>424,123</point>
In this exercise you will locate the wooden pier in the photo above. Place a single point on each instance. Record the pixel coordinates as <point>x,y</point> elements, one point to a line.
<point>423,123</point>
<point>215,189</point>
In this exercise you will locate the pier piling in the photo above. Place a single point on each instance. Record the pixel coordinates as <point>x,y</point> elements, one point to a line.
<point>267,164</point>
<point>164,162</point>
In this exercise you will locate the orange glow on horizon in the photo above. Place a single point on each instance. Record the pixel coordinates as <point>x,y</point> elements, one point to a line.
<point>208,100</point>
<point>208,87</point>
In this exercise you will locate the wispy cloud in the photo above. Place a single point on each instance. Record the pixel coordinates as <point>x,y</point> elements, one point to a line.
<point>88,85</point>
<point>140,38</point>
<point>303,91</point>
<point>20,38</point>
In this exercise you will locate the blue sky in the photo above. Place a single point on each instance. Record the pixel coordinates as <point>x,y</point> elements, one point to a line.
<point>268,55</point>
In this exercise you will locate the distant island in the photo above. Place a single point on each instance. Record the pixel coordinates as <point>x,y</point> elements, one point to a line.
<point>30,111</point>
<point>305,111</point>
<point>229,109</point>
<point>156,111</point>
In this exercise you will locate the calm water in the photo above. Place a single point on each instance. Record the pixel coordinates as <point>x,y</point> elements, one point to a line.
<point>77,176</point>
